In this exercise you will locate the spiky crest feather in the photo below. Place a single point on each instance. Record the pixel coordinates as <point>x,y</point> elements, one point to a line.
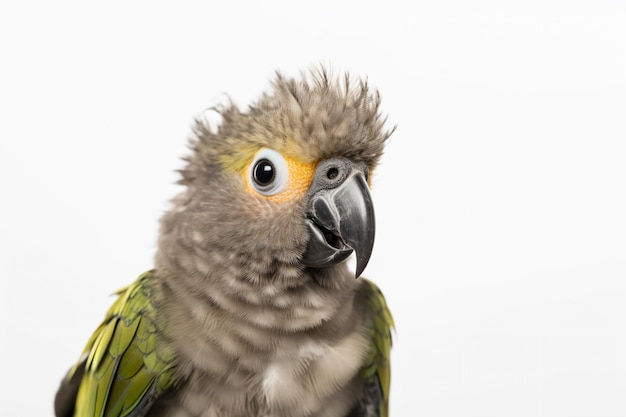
<point>315,117</point>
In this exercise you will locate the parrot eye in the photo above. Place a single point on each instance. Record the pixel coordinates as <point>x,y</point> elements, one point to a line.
<point>268,172</point>
<point>264,172</point>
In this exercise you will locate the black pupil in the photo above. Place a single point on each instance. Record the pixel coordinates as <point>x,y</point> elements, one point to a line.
<point>263,172</point>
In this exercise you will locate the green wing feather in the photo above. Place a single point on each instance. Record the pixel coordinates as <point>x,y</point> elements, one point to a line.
<point>128,362</point>
<point>377,370</point>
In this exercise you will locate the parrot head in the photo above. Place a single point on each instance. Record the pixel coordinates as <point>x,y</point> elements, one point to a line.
<point>280,191</point>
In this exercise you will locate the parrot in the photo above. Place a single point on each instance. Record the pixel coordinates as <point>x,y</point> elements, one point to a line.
<point>252,306</point>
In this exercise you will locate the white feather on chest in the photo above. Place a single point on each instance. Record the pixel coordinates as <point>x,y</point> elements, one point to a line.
<point>313,374</point>
<point>312,380</point>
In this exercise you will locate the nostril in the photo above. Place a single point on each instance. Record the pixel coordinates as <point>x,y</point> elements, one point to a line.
<point>332,173</point>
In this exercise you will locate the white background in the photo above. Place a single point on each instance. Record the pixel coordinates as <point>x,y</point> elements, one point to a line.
<point>501,201</point>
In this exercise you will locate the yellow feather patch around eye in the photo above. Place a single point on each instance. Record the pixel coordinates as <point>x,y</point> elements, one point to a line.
<point>283,186</point>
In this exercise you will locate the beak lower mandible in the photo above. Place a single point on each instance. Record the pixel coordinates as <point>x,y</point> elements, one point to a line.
<point>340,215</point>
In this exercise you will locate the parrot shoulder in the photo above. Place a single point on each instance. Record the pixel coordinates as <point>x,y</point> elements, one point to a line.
<point>126,364</point>
<point>376,370</point>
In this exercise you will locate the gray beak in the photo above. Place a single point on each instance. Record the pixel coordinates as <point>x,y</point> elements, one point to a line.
<point>340,215</point>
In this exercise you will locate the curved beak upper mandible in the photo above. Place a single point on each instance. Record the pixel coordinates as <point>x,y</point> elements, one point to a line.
<point>340,215</point>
